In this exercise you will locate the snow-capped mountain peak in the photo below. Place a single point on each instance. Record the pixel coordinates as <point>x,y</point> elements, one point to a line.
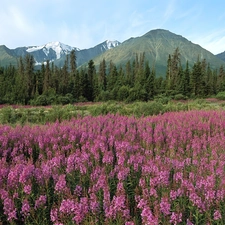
<point>109,45</point>
<point>57,47</point>
<point>55,51</point>
<point>112,44</point>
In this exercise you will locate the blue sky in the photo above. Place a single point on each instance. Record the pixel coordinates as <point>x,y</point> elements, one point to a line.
<point>84,23</point>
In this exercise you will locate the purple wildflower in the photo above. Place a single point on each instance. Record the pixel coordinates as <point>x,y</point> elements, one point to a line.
<point>25,208</point>
<point>40,201</point>
<point>27,189</point>
<point>217,215</point>
<point>175,218</point>
<point>165,206</point>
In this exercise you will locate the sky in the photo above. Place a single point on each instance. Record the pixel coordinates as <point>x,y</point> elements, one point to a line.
<point>85,23</point>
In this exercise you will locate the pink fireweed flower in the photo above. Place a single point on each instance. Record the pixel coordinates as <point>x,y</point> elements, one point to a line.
<point>153,192</point>
<point>165,206</point>
<point>118,206</point>
<point>129,223</point>
<point>123,173</point>
<point>94,204</point>
<point>9,209</point>
<point>78,190</point>
<point>67,206</point>
<point>15,195</point>
<point>60,185</point>
<point>27,189</point>
<point>217,215</point>
<point>189,222</point>
<point>13,175</point>
<point>26,173</point>
<point>80,210</point>
<point>148,217</point>
<point>3,194</point>
<point>25,208</point>
<point>40,201</point>
<point>142,203</point>
<point>176,218</point>
<point>54,214</point>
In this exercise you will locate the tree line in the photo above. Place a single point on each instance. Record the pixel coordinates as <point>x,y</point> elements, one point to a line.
<point>135,81</point>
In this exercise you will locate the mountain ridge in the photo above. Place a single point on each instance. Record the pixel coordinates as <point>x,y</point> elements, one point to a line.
<point>221,56</point>
<point>157,45</point>
<point>53,51</point>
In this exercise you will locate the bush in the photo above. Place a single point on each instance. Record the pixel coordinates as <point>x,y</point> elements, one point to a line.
<point>147,108</point>
<point>41,100</point>
<point>63,100</point>
<point>221,95</point>
<point>104,96</point>
<point>123,93</point>
<point>137,94</point>
<point>163,99</point>
<point>180,97</point>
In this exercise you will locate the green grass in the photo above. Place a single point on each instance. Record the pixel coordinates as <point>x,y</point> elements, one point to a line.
<point>42,115</point>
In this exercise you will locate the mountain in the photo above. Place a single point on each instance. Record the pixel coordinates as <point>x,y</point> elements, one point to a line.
<point>7,56</point>
<point>86,55</point>
<point>53,51</point>
<point>157,45</point>
<point>221,56</point>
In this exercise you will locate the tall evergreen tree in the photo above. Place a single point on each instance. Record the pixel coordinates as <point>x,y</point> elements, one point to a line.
<point>21,83</point>
<point>186,81</point>
<point>150,81</point>
<point>196,78</point>
<point>73,59</point>
<point>90,80</point>
<point>102,75</point>
<point>173,75</point>
<point>128,72</point>
<point>29,76</point>
<point>112,76</point>
<point>47,78</point>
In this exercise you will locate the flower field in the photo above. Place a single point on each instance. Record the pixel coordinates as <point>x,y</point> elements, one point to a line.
<point>112,169</point>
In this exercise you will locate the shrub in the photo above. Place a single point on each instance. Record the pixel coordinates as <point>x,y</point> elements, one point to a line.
<point>163,99</point>
<point>221,95</point>
<point>180,97</point>
<point>147,108</point>
<point>41,100</point>
<point>123,93</point>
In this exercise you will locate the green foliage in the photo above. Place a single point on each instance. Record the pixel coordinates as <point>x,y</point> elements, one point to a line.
<point>162,98</point>
<point>137,82</point>
<point>180,97</point>
<point>123,93</point>
<point>221,95</point>
<point>42,115</point>
<point>147,108</point>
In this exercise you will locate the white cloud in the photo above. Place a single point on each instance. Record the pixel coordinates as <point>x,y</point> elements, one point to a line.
<point>213,41</point>
<point>169,9</point>
<point>84,24</point>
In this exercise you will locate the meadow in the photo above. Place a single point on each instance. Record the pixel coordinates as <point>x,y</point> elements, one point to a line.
<point>145,163</point>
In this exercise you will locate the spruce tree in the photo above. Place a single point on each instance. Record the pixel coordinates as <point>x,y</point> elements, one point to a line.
<point>102,75</point>
<point>47,78</point>
<point>90,80</point>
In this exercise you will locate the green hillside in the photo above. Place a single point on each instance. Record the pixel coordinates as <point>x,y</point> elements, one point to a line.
<point>157,45</point>
<point>221,56</point>
<point>7,57</point>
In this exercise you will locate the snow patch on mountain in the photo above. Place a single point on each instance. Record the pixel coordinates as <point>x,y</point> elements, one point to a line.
<point>110,44</point>
<point>58,47</point>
